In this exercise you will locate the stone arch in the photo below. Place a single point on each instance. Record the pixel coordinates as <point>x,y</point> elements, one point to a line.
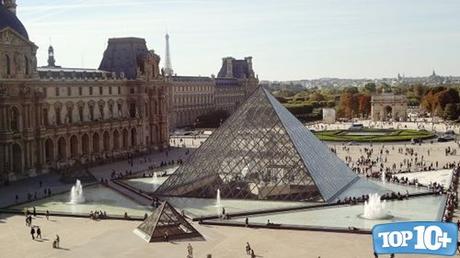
<point>74,146</point>
<point>133,137</point>
<point>85,144</point>
<point>388,112</point>
<point>17,157</point>
<point>125,139</point>
<point>95,143</point>
<point>116,140</point>
<point>49,150</point>
<point>62,148</point>
<point>106,141</point>
<point>14,119</point>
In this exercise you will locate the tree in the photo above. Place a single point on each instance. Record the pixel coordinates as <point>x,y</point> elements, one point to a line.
<point>348,104</point>
<point>364,105</point>
<point>450,111</point>
<point>370,87</point>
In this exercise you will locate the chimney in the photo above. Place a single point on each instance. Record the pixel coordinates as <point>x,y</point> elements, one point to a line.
<point>249,62</point>
<point>10,5</point>
<point>228,62</point>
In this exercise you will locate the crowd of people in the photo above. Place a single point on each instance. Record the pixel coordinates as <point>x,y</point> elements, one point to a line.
<point>35,230</point>
<point>97,215</point>
<point>452,197</point>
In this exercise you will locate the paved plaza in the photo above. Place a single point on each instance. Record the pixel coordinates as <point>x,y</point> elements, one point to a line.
<point>82,237</point>
<point>112,238</point>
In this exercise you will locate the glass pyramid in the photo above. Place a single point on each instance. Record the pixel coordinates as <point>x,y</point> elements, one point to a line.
<point>262,152</point>
<point>165,221</point>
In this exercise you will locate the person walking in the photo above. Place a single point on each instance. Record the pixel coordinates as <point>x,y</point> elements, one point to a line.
<point>39,233</point>
<point>32,232</point>
<point>248,248</point>
<point>47,215</point>
<point>58,240</point>
<point>190,250</point>
<point>253,255</point>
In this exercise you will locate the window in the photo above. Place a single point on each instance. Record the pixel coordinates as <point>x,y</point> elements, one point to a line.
<point>8,65</point>
<point>26,63</point>
<point>91,113</point>
<point>69,91</point>
<point>69,114</point>
<point>119,109</point>
<point>119,90</point>
<point>132,110</point>
<point>80,113</point>
<point>101,111</point>
<point>14,122</point>
<point>80,91</point>
<point>57,91</point>
<point>100,91</point>
<point>110,90</point>
<point>45,117</point>
<point>90,90</point>
<point>131,90</point>
<point>58,116</point>
<point>111,110</point>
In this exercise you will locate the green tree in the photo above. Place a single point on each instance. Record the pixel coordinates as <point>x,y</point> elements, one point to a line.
<point>450,111</point>
<point>370,87</point>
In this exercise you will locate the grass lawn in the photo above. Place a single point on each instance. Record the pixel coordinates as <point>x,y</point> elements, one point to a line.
<point>373,135</point>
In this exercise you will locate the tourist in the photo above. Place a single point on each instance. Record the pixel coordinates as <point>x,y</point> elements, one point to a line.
<point>190,250</point>
<point>246,221</point>
<point>34,212</point>
<point>166,237</point>
<point>47,215</point>
<point>248,248</point>
<point>39,233</point>
<point>58,240</point>
<point>32,232</point>
<point>253,255</point>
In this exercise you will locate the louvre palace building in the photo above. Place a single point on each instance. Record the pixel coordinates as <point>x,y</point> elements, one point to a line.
<point>53,118</point>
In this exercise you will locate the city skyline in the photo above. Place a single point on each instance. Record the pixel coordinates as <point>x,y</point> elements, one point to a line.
<point>289,40</point>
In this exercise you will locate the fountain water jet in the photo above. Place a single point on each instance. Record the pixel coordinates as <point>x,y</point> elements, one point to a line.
<point>383,177</point>
<point>218,203</point>
<point>155,182</point>
<point>76,193</point>
<point>374,208</point>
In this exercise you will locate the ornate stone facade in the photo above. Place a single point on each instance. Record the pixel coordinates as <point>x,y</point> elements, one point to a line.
<point>193,96</point>
<point>388,107</point>
<point>53,117</point>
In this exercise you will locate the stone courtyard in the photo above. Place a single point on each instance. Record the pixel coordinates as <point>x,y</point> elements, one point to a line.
<point>82,237</point>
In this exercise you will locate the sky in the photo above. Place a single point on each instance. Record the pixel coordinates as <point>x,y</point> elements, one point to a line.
<point>288,39</point>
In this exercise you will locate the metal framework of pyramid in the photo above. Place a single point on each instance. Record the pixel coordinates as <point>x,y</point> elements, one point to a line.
<point>262,152</point>
<point>166,220</point>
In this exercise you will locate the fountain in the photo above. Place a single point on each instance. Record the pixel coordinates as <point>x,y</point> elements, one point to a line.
<point>155,181</point>
<point>383,177</point>
<point>218,203</point>
<point>374,208</point>
<point>76,193</point>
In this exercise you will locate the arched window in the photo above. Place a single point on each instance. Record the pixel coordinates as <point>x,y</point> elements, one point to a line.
<point>14,120</point>
<point>8,65</point>
<point>26,64</point>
